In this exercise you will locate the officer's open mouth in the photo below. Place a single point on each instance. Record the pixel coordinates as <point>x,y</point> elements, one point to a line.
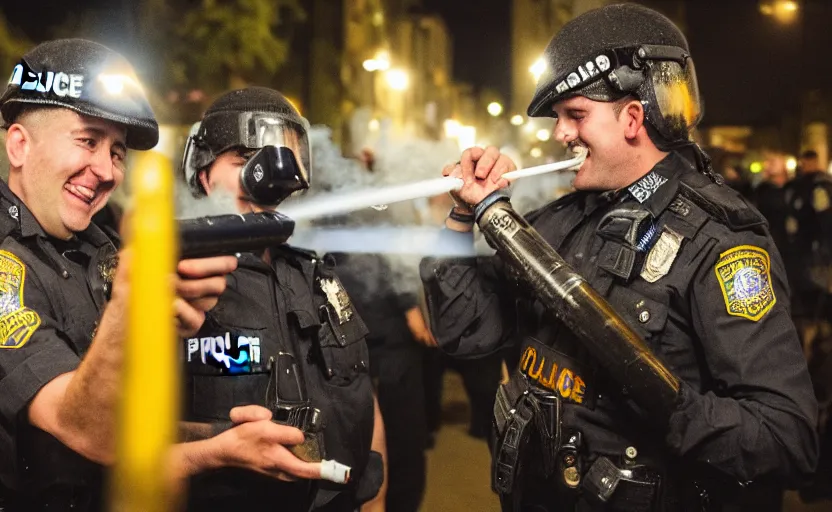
<point>81,192</point>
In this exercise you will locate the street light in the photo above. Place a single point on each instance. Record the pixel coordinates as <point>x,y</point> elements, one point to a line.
<point>536,152</point>
<point>397,79</point>
<point>379,62</point>
<point>543,135</point>
<point>495,109</point>
<point>517,120</point>
<point>537,68</point>
<point>783,11</point>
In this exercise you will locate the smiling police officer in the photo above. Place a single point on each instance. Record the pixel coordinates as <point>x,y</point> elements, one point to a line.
<point>71,110</point>
<point>685,262</point>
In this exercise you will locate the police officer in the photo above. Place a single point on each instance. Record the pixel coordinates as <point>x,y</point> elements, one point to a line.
<point>391,314</point>
<point>808,258</point>
<point>714,406</point>
<point>809,236</point>
<point>71,110</point>
<point>770,198</point>
<point>289,337</point>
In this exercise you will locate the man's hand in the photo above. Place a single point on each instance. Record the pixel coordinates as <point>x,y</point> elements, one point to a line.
<point>199,285</point>
<point>419,328</point>
<point>258,444</point>
<point>481,170</point>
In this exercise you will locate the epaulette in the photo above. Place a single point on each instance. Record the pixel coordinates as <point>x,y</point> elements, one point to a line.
<point>7,226</point>
<point>720,201</point>
<point>298,252</point>
<point>555,205</point>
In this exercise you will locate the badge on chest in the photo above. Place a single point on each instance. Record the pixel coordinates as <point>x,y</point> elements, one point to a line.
<point>337,298</point>
<point>661,256</point>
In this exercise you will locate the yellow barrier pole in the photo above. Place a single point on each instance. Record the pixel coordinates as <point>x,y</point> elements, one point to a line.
<point>149,405</point>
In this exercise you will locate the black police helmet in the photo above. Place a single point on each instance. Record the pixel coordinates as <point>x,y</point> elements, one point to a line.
<point>86,77</point>
<point>619,50</point>
<point>249,118</point>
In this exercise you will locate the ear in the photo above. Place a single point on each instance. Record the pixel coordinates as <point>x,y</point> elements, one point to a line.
<point>203,180</point>
<point>18,145</point>
<point>633,116</point>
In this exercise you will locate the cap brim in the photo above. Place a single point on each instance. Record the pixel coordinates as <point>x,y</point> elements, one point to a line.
<point>141,134</point>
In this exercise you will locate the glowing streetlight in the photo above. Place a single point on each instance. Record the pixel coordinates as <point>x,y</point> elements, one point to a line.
<point>783,11</point>
<point>543,135</point>
<point>755,167</point>
<point>538,68</point>
<point>517,120</point>
<point>791,163</point>
<point>495,109</point>
<point>536,152</point>
<point>379,62</point>
<point>452,128</point>
<point>397,79</point>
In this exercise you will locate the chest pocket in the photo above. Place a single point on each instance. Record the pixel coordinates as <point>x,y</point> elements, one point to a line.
<point>648,317</point>
<point>341,336</point>
<point>235,339</point>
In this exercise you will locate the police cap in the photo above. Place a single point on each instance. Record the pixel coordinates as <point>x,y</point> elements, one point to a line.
<point>86,77</point>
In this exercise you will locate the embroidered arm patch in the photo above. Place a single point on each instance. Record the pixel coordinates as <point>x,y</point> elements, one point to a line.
<point>744,275</point>
<point>17,322</point>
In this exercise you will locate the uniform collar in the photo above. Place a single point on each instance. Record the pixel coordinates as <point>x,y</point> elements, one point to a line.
<point>24,221</point>
<point>654,191</point>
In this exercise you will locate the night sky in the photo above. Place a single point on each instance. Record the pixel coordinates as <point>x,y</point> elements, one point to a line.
<point>750,67</point>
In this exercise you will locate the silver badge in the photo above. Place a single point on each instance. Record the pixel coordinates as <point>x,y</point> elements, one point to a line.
<point>337,298</point>
<point>13,212</point>
<point>661,256</point>
<point>258,173</point>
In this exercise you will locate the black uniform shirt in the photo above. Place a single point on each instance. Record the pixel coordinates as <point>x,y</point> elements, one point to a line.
<point>293,306</point>
<point>703,285</point>
<point>53,293</point>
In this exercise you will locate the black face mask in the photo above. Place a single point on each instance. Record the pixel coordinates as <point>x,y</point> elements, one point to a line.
<point>271,175</point>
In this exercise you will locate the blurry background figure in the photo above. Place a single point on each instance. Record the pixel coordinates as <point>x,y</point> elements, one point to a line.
<point>770,198</point>
<point>809,233</point>
<point>395,366</point>
<point>736,179</point>
<point>809,230</point>
<point>480,377</point>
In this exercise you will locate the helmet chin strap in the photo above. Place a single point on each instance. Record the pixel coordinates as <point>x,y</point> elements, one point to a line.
<point>690,150</point>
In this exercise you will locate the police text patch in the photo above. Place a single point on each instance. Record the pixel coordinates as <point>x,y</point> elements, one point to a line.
<point>17,322</point>
<point>744,274</point>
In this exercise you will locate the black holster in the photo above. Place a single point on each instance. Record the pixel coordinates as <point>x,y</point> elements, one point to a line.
<point>523,416</point>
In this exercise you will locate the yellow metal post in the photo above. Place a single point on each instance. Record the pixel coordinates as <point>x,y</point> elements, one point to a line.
<point>149,406</point>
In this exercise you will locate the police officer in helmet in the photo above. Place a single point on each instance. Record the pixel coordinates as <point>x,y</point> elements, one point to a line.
<point>71,110</point>
<point>296,344</point>
<point>682,260</point>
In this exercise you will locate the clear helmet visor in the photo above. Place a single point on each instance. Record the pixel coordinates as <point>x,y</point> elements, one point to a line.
<point>261,130</point>
<point>677,100</point>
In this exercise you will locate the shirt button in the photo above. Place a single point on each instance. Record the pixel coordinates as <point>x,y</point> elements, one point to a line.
<point>644,316</point>
<point>65,274</point>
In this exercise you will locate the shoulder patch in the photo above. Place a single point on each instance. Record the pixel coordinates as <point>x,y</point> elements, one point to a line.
<point>744,275</point>
<point>17,322</point>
